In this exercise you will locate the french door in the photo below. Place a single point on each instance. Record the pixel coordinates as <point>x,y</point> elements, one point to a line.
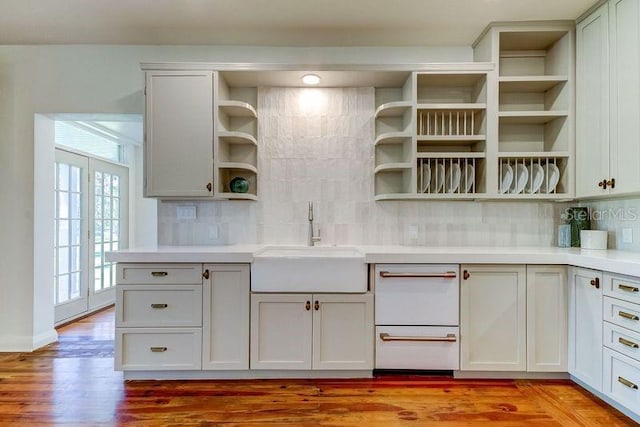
<point>91,218</point>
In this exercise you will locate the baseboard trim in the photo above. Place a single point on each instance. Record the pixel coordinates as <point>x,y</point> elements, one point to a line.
<point>237,375</point>
<point>44,338</point>
<point>25,344</point>
<point>628,412</point>
<point>510,375</point>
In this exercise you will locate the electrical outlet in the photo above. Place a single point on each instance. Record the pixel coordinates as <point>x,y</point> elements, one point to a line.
<point>213,232</point>
<point>627,235</point>
<point>412,232</point>
<point>186,213</point>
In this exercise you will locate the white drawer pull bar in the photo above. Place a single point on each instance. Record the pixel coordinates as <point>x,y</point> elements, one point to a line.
<point>158,349</point>
<point>449,338</point>
<point>628,315</point>
<point>447,275</point>
<point>627,343</point>
<point>627,383</point>
<point>159,273</point>
<point>628,288</point>
<point>159,305</point>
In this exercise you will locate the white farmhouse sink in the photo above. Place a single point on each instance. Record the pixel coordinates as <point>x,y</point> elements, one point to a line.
<point>308,269</point>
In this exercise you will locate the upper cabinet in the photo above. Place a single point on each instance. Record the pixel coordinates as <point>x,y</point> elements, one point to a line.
<point>200,136</point>
<point>179,134</point>
<point>608,120</point>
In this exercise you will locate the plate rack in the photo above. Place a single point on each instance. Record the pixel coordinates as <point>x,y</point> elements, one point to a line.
<point>532,175</point>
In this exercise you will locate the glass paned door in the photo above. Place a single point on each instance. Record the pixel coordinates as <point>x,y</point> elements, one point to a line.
<point>70,241</point>
<point>110,183</point>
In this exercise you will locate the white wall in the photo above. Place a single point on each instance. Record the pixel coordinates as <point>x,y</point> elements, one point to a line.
<point>315,144</point>
<point>102,79</point>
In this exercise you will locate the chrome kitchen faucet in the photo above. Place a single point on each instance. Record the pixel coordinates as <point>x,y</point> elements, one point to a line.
<point>311,240</point>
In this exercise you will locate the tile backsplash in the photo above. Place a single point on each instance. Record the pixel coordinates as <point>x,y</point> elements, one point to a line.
<point>617,216</point>
<point>317,145</point>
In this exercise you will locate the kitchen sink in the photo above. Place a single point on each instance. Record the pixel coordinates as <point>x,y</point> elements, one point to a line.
<point>336,269</point>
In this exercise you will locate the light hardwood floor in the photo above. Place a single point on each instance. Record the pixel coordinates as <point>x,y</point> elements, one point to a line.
<point>73,382</point>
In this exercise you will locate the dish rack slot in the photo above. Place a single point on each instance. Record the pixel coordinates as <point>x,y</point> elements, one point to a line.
<point>532,175</point>
<point>450,175</point>
<point>449,122</point>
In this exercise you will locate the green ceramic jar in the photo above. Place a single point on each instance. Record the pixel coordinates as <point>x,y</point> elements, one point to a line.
<point>239,185</point>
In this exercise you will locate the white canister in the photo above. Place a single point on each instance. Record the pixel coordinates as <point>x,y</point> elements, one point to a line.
<point>593,239</point>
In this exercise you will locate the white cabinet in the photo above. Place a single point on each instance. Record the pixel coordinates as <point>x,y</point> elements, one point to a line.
<point>608,100</point>
<point>305,331</point>
<point>225,326</point>
<point>179,134</point>
<point>492,318</point>
<point>547,301</point>
<point>585,326</point>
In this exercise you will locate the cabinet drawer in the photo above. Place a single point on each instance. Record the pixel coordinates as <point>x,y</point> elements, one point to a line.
<point>622,379</point>
<point>622,313</point>
<point>417,347</point>
<point>167,349</point>
<point>623,287</point>
<point>159,274</point>
<point>158,305</point>
<point>622,340</point>
<point>417,294</point>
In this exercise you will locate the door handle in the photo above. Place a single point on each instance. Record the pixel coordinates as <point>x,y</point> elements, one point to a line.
<point>159,273</point>
<point>159,305</point>
<point>445,275</point>
<point>206,274</point>
<point>448,338</point>
<point>628,315</point>
<point>628,288</point>
<point>627,383</point>
<point>627,343</point>
<point>308,305</point>
<point>158,349</point>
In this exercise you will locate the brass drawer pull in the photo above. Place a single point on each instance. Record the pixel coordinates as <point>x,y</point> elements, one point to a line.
<point>447,275</point>
<point>159,305</point>
<point>627,383</point>
<point>449,338</point>
<point>158,349</point>
<point>628,315</point>
<point>627,343</point>
<point>628,288</point>
<point>159,273</point>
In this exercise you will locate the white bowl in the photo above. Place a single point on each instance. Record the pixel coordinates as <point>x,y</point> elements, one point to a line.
<point>593,239</point>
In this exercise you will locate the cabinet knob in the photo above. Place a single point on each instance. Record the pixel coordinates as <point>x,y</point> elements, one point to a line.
<point>206,274</point>
<point>209,186</point>
<point>308,305</point>
<point>612,183</point>
<point>465,275</point>
<point>603,184</point>
<point>316,306</point>
<point>595,282</point>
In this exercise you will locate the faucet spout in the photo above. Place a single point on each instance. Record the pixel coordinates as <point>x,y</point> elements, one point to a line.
<point>311,238</point>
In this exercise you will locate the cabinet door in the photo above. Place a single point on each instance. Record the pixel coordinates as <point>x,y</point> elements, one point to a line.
<point>226,317</point>
<point>592,103</point>
<point>281,331</point>
<point>493,318</point>
<point>343,331</point>
<point>547,307</point>
<point>624,22</point>
<point>179,134</point>
<point>585,326</point>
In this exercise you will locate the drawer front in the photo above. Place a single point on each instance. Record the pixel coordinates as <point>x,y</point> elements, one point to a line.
<point>623,287</point>
<point>622,340</point>
<point>167,349</point>
<point>622,379</point>
<point>159,274</point>
<point>622,313</point>
<point>158,305</point>
<point>414,347</point>
<point>417,294</point>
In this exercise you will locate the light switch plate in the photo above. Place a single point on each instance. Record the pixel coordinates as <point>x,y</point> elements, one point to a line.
<point>213,232</point>
<point>412,232</point>
<point>186,213</point>
<point>627,235</point>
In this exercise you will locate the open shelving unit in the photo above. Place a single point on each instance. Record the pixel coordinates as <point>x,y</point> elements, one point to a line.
<point>236,144</point>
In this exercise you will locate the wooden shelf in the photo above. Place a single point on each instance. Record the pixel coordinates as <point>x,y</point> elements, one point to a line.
<point>527,84</point>
<point>393,167</point>
<point>241,166</point>
<point>429,196</point>
<point>534,154</point>
<point>452,139</point>
<point>232,137</point>
<point>392,138</point>
<point>393,109</point>
<point>236,196</point>
<point>237,109</point>
<point>453,106</point>
<point>530,117</point>
<point>451,155</point>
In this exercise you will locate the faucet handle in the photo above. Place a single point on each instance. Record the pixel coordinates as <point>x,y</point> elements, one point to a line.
<point>316,238</point>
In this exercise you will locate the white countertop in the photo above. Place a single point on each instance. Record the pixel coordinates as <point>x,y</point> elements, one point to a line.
<point>609,260</point>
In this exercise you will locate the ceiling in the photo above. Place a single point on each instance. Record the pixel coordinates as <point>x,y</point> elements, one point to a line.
<point>268,22</point>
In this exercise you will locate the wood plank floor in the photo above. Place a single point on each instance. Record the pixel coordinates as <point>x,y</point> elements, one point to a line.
<point>72,382</point>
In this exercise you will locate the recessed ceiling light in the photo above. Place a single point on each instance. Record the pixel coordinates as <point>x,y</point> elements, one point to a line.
<point>310,79</point>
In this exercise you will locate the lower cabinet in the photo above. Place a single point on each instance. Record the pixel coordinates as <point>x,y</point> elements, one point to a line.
<point>225,323</point>
<point>312,331</point>
<point>492,318</point>
<point>585,326</point>
<point>513,318</point>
